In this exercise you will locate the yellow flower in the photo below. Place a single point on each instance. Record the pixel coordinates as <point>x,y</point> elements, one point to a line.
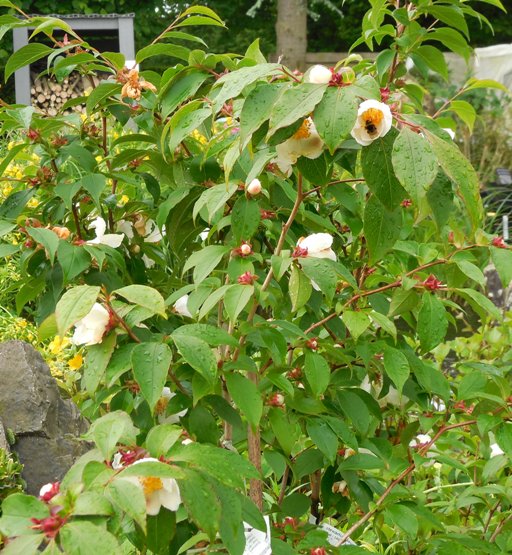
<point>76,362</point>
<point>83,117</point>
<point>57,344</point>
<point>33,203</point>
<point>35,157</point>
<point>6,191</point>
<point>22,323</point>
<point>99,159</point>
<point>123,200</point>
<point>11,145</point>
<point>199,137</point>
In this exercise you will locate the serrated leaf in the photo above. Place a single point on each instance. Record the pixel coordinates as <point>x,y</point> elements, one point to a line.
<point>246,396</point>
<point>145,296</point>
<point>414,163</point>
<point>378,172</point>
<point>396,366</point>
<point>432,322</point>
<point>381,228</point>
<point>236,298</point>
<point>198,354</point>
<point>74,305</point>
<point>318,373</point>
<point>335,115</point>
<point>357,322</point>
<point>151,362</point>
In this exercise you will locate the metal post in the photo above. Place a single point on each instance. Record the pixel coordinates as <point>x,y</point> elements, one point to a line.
<point>22,75</point>
<point>126,42</point>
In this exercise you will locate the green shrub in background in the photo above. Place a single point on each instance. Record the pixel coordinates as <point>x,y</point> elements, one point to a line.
<point>258,267</point>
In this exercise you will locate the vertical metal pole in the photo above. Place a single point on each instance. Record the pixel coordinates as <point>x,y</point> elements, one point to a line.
<point>505,228</point>
<point>126,40</point>
<point>22,75</point>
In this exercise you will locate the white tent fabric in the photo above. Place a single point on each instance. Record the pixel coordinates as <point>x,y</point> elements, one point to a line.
<point>494,62</point>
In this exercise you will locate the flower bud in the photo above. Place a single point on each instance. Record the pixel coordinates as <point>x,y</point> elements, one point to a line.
<point>245,249</point>
<point>320,75</point>
<point>276,400</point>
<point>254,187</point>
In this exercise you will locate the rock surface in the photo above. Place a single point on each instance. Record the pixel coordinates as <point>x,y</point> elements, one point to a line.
<point>47,427</point>
<point>4,444</point>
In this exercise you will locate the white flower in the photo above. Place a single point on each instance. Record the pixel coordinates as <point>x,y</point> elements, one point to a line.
<point>204,234</point>
<point>318,245</point>
<point>319,75</point>
<point>152,233</point>
<point>161,408</point>
<point>374,120</point>
<point>181,306</point>
<point>394,398</point>
<point>148,262</point>
<point>125,227</point>
<point>113,240</point>
<point>254,187</point>
<point>91,328</point>
<point>305,142</point>
<point>438,405</point>
<point>450,132</point>
<point>159,492</point>
<point>420,441</point>
<point>117,463</point>
<point>496,450</point>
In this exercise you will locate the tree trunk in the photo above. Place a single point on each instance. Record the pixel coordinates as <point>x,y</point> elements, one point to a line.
<point>291,31</point>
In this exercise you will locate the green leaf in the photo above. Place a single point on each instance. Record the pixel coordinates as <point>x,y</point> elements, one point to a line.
<point>15,203</point>
<point>73,259</point>
<point>24,56</point>
<point>480,303</point>
<point>322,273</point>
<point>231,521</point>
<point>357,322</point>
<point>161,528</point>
<point>236,298</point>
<point>183,122</point>
<point>323,437</point>
<point>161,438</point>
<point>74,305</point>
<point>294,104</point>
<point>7,250</point>
<point>434,59</point>
<point>502,260</point>
<point>414,163</point>
<point>96,361</point>
<point>110,429</point>
<point>377,166</point>
<point>245,219</point>
<point>28,545</point>
<point>318,373</point>
<point>396,366</point>
<point>100,93</point>
<point>145,296</point>
<point>465,111</point>
<point>474,83</point>
<point>432,322</point>
<point>232,84</point>
<point>84,538</point>
<point>471,386</point>
<point>17,510</point>
<point>403,517</point>
<point>458,168</point>
<point>214,199</point>
<point>440,199</point>
<point>94,184</point>
<point>355,409</point>
<point>504,438</point>
<point>381,228</point>
<point>469,269</point>
<point>246,396</point>
<point>205,261</point>
<point>47,238</point>
<point>452,39</point>
<point>201,502</point>
<point>155,469</point>
<point>151,362</point>
<point>198,354</point>
<point>335,115</point>
<point>299,288</point>
<point>128,497</point>
<point>173,50</point>
<point>212,335</point>
<point>181,89</point>
<point>257,109</point>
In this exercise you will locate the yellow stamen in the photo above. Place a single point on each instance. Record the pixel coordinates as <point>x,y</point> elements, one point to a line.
<point>303,132</point>
<point>372,116</point>
<point>161,405</point>
<point>150,484</point>
<point>76,362</point>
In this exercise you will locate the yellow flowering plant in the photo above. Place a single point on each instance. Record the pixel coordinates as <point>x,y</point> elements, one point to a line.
<point>255,275</point>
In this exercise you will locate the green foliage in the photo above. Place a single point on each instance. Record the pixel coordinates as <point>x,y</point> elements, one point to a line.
<point>258,303</point>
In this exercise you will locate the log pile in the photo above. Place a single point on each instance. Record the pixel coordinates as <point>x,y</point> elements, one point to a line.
<point>49,97</point>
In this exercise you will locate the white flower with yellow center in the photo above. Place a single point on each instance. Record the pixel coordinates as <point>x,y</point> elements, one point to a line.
<point>319,75</point>
<point>110,239</point>
<point>317,245</point>
<point>159,492</point>
<point>374,120</point>
<point>305,142</point>
<point>91,328</point>
<point>161,408</point>
<point>181,306</point>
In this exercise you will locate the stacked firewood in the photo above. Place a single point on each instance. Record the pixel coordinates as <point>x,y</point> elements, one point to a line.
<point>49,97</point>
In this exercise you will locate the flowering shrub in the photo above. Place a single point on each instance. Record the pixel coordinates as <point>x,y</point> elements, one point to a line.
<point>258,269</point>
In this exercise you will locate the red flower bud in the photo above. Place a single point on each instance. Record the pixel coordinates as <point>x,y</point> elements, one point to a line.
<point>50,525</point>
<point>432,283</point>
<point>247,278</point>
<point>318,551</point>
<point>499,242</point>
<point>312,343</point>
<point>276,400</point>
<point>406,203</point>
